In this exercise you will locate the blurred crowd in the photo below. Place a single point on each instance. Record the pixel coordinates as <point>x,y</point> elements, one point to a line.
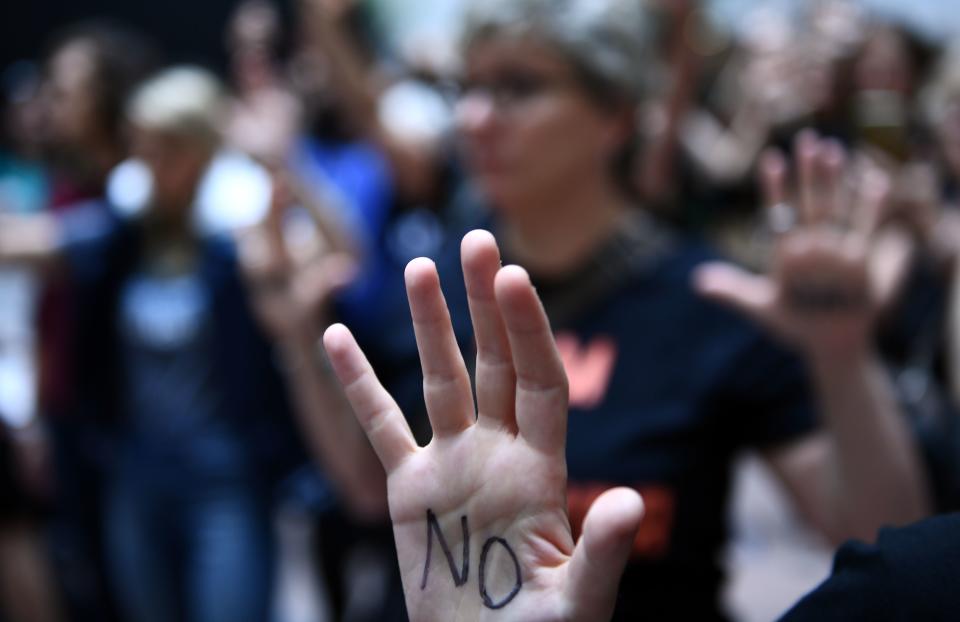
<point>173,243</point>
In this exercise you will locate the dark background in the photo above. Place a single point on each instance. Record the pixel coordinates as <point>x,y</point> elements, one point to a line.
<point>185,30</point>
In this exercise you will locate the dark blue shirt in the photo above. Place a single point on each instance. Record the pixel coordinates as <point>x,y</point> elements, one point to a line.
<point>909,574</point>
<point>174,401</point>
<point>179,375</point>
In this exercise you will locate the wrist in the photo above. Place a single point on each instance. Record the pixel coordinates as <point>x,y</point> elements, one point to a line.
<point>839,361</point>
<point>301,348</point>
<point>303,328</point>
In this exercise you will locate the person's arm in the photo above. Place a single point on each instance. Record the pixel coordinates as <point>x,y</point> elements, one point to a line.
<point>330,429</point>
<point>414,163</point>
<point>863,470</point>
<point>657,174</point>
<point>479,514</point>
<point>291,295</point>
<point>33,240</point>
<point>724,154</point>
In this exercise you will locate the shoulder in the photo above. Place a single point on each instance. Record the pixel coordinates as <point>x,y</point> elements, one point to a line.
<point>88,222</point>
<point>909,574</point>
<point>929,547</point>
<point>665,283</point>
<point>94,237</point>
<point>683,255</point>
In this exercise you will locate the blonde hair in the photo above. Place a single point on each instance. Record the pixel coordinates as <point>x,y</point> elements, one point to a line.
<point>186,101</point>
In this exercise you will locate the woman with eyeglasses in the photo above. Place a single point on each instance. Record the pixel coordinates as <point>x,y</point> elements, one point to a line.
<point>664,386</point>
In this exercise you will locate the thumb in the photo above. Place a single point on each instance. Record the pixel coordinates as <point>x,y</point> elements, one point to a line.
<point>317,283</point>
<point>727,284</point>
<point>341,270</point>
<point>601,554</point>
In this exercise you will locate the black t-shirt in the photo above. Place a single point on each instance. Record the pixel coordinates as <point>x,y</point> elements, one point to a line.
<point>665,388</point>
<point>912,573</point>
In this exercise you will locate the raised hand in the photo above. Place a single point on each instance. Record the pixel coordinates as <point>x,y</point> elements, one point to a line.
<point>479,514</point>
<point>821,294</point>
<point>292,278</point>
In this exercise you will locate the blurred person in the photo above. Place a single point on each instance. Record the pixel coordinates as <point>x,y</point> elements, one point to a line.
<point>776,76</point>
<point>939,103</point>
<point>892,126</point>
<point>400,106</point>
<point>887,74</point>
<point>548,121</point>
<point>24,185</point>
<point>907,573</point>
<point>688,38</point>
<point>750,87</point>
<point>177,367</point>
<point>918,335</point>
<point>88,72</point>
<point>23,190</point>
<point>291,117</point>
<point>267,116</point>
<point>295,274</point>
<point>188,511</point>
<point>28,590</point>
<point>363,97</point>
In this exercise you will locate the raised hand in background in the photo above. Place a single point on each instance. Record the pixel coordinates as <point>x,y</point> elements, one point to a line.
<point>832,273</point>
<point>821,294</point>
<point>293,271</point>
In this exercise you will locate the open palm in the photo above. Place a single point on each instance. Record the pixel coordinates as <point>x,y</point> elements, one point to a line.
<point>825,286</point>
<point>479,514</point>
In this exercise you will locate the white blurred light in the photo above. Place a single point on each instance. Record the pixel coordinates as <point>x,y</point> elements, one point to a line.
<point>234,192</point>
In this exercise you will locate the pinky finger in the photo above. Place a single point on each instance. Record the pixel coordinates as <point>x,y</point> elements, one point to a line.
<point>377,412</point>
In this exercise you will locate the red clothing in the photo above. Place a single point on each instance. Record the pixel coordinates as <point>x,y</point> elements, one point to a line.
<point>55,331</point>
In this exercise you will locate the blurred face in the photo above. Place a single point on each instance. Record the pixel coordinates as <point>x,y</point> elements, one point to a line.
<point>26,119</point>
<point>528,128</point>
<point>885,64</point>
<point>69,97</point>
<point>253,31</point>
<point>176,164</point>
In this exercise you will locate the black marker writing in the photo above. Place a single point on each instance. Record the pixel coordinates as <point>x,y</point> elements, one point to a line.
<point>487,601</point>
<point>434,526</point>
<point>824,298</point>
<point>460,578</point>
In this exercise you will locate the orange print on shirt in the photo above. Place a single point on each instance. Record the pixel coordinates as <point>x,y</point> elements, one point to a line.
<point>588,368</point>
<point>653,538</point>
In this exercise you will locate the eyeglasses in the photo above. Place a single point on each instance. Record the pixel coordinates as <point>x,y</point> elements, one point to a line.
<point>510,89</point>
